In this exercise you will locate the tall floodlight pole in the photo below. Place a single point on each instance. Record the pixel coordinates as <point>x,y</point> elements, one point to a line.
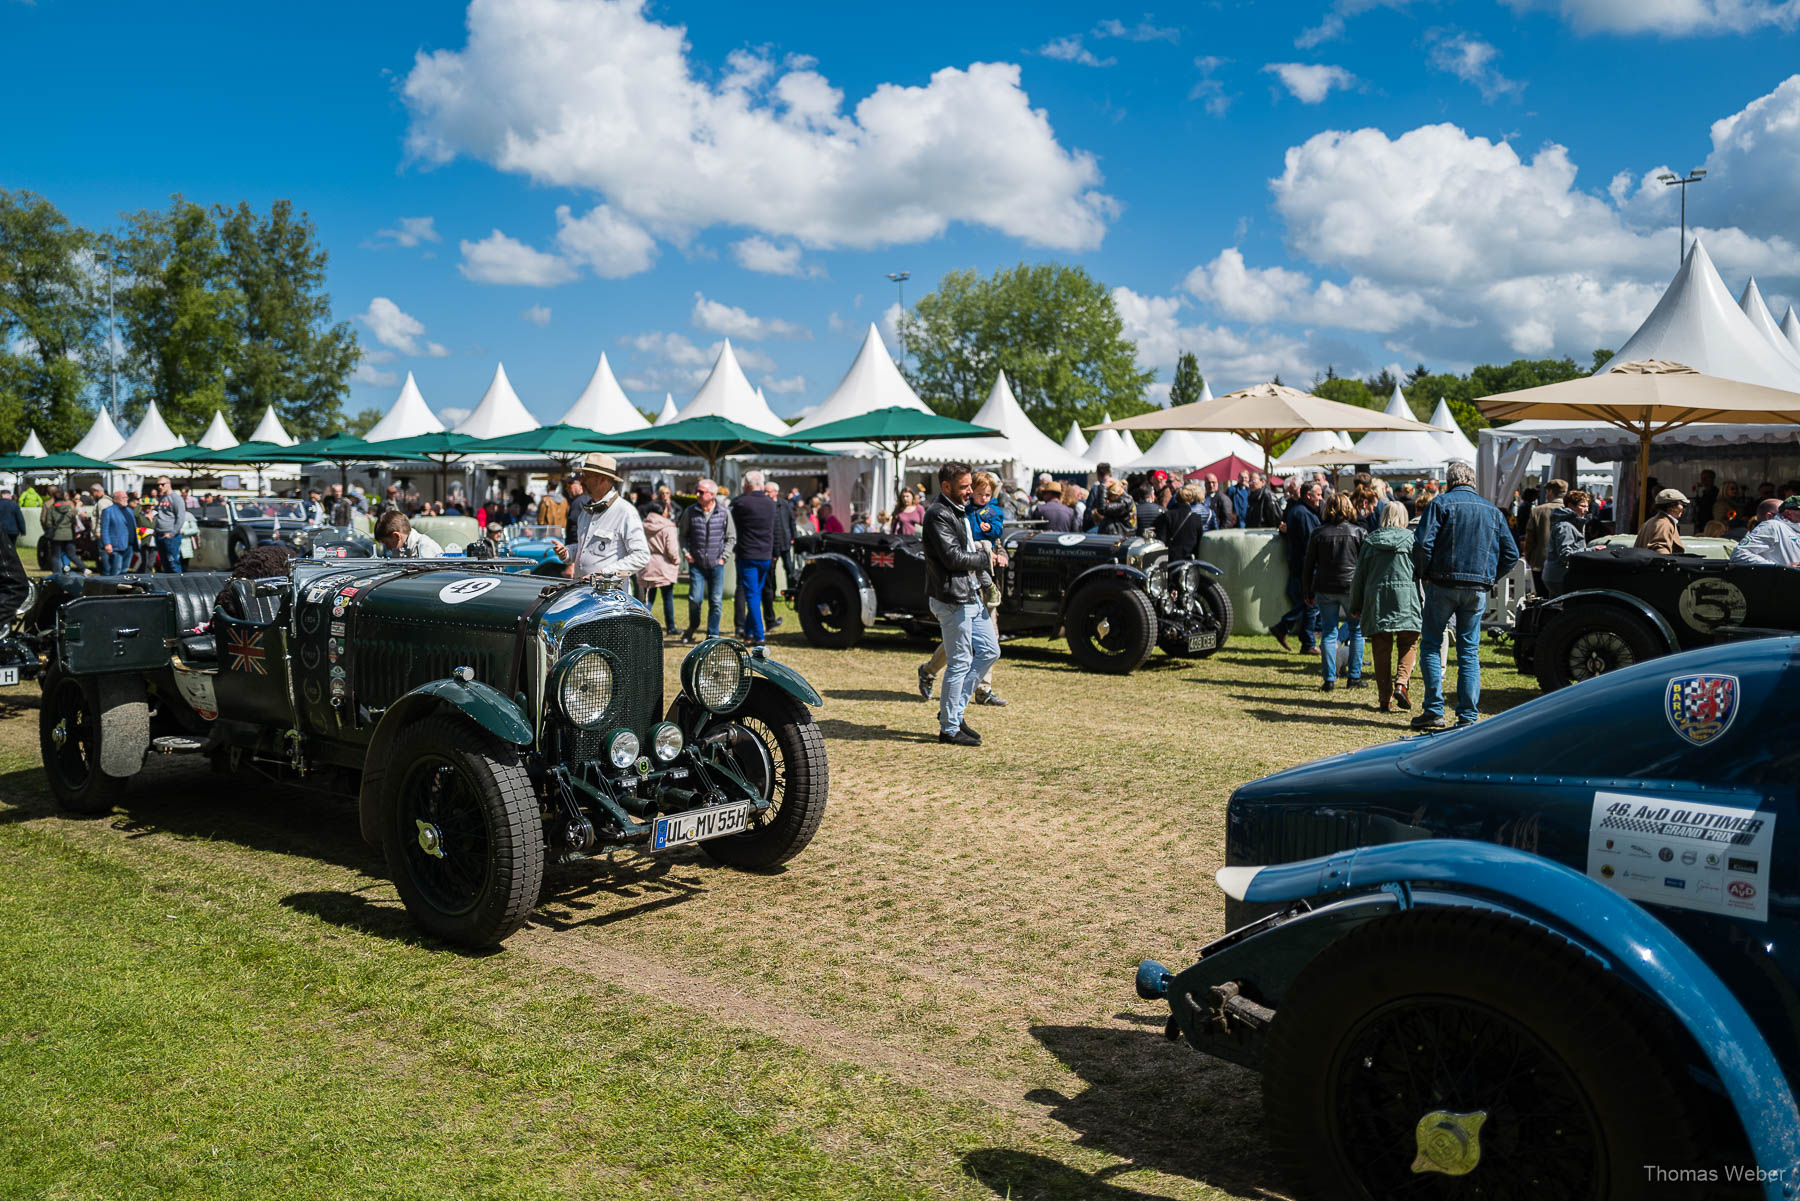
<point>1672,181</point>
<point>112,338</point>
<point>899,278</point>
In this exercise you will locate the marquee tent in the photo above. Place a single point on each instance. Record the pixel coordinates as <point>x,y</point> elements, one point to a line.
<point>218,435</point>
<point>152,433</point>
<point>269,430</point>
<point>33,448</point>
<point>1406,452</point>
<point>1455,443</point>
<point>603,405</point>
<point>1020,450</point>
<point>1751,302</point>
<point>1790,325</point>
<point>871,383</point>
<point>669,412</point>
<point>1112,448</point>
<point>102,438</point>
<point>727,393</point>
<point>1075,442</point>
<point>407,418</point>
<point>1309,443</point>
<point>1697,323</point>
<point>500,412</point>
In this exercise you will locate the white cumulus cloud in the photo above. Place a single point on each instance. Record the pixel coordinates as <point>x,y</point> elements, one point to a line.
<point>1472,61</point>
<point>1310,83</point>
<point>410,231</point>
<point>366,373</point>
<point>537,314</point>
<point>1671,18</point>
<point>791,386</point>
<point>399,330</point>
<point>1071,50</point>
<point>716,317</point>
<point>611,244</point>
<point>498,259</point>
<point>597,95</point>
<point>757,253</point>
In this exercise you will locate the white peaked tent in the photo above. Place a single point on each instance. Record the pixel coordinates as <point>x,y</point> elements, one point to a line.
<point>1020,450</point>
<point>151,435</point>
<point>1406,451</point>
<point>669,411</point>
<point>1075,442</point>
<point>727,393</point>
<point>500,412</point>
<point>1751,302</point>
<point>269,430</point>
<point>1790,325</point>
<point>1310,442</point>
<point>1697,323</point>
<point>1112,448</point>
<point>603,406</point>
<point>102,439</point>
<point>872,382</point>
<point>1188,449</point>
<point>218,435</point>
<point>33,448</point>
<point>408,417</point>
<point>1456,444</point>
<point>1205,392</point>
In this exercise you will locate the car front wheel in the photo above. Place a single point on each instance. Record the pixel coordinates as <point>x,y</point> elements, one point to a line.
<point>465,842</point>
<point>1590,640</point>
<point>1445,1053</point>
<point>1111,628</point>
<point>774,744</point>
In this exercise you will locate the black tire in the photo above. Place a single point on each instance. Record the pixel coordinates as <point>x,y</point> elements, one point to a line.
<point>1588,640</point>
<point>464,840</point>
<point>69,732</point>
<point>46,555</point>
<point>1454,1011</point>
<point>775,744</point>
<point>1213,598</point>
<point>1111,627</point>
<point>241,542</point>
<point>830,609</point>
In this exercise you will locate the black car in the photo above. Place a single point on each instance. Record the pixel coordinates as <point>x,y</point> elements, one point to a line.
<point>234,525</point>
<point>1621,605</point>
<point>1115,597</point>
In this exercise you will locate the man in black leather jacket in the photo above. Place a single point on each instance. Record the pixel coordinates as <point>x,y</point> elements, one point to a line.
<point>957,567</point>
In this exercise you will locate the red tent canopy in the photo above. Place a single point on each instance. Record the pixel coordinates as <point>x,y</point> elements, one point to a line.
<point>1225,470</point>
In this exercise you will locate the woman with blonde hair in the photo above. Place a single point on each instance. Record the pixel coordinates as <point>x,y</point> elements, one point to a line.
<point>1384,596</point>
<point>1326,578</point>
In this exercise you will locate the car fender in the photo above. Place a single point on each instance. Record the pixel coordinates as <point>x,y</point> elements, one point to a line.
<point>1624,934</point>
<point>1202,564</point>
<point>480,703</point>
<point>833,561</point>
<point>1609,596</point>
<point>1104,571</point>
<point>786,679</point>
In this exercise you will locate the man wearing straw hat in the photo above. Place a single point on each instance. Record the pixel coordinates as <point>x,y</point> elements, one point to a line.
<point>609,536</point>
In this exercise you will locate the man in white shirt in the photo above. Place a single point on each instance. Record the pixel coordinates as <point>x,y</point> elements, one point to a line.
<point>609,536</point>
<point>1775,539</point>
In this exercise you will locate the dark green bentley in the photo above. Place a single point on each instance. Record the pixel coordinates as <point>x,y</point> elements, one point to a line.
<point>486,721</point>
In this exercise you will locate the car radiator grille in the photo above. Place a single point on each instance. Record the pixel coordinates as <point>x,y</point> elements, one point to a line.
<point>1273,834</point>
<point>635,642</point>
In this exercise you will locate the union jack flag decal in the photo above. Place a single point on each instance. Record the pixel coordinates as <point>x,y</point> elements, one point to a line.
<point>244,651</point>
<point>1701,707</point>
<point>881,559</point>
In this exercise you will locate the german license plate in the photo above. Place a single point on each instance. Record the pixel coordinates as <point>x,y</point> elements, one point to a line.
<point>1209,640</point>
<point>698,825</point>
<point>8,675</point>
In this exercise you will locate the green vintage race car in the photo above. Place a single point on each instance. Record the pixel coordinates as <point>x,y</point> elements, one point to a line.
<point>486,721</point>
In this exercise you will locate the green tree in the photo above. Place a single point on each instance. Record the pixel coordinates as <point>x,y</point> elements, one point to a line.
<point>51,322</point>
<point>180,313</point>
<point>1347,391</point>
<point>1381,385</point>
<point>1602,358</point>
<point>362,423</point>
<point>1185,387</point>
<point>289,353</point>
<point>1052,328</point>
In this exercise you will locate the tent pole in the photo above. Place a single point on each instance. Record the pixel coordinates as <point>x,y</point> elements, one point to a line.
<point>1643,513</point>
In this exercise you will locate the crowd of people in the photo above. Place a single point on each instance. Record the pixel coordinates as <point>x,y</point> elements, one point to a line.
<point>118,529</point>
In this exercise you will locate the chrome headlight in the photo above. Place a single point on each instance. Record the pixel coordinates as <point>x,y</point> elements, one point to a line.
<point>621,749</point>
<point>665,741</point>
<point>583,686</point>
<point>716,675</point>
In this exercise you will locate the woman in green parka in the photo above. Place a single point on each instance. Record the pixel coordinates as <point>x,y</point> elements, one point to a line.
<point>1384,593</point>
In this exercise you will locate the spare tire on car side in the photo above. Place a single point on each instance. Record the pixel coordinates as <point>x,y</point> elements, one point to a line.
<point>1590,639</point>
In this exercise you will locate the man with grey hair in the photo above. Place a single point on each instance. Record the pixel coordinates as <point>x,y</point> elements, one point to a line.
<point>1461,548</point>
<point>707,538</point>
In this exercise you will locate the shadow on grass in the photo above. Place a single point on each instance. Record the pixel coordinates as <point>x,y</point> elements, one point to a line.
<point>587,892</point>
<point>1342,718</point>
<point>386,920</point>
<point>870,694</point>
<point>1151,1102</point>
<point>850,731</point>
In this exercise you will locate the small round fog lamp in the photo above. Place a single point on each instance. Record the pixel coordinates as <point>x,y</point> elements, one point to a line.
<point>665,741</point>
<point>621,748</point>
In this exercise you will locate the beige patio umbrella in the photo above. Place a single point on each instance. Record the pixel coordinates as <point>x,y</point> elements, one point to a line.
<point>1648,397</point>
<point>1265,414</point>
<point>1334,458</point>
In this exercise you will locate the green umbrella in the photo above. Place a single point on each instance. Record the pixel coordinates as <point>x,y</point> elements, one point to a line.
<point>564,443</point>
<point>340,449</point>
<point>258,455</point>
<point>67,461</point>
<point>711,438</point>
<point>440,448</point>
<point>896,429</point>
<point>178,454</point>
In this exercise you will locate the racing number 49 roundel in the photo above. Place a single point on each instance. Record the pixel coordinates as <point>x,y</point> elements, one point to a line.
<point>1701,707</point>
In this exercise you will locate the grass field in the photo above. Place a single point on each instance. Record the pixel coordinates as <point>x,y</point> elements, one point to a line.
<point>215,993</point>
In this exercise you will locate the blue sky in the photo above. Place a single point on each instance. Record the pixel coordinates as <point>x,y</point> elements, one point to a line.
<point>1274,186</point>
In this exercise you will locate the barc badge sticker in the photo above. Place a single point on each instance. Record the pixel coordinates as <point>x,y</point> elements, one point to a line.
<point>1701,707</point>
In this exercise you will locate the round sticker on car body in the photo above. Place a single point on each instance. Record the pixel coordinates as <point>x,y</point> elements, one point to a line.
<point>463,590</point>
<point>1071,539</point>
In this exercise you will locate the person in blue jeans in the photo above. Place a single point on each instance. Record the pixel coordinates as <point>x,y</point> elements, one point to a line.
<point>707,539</point>
<point>1461,548</point>
<point>118,534</point>
<point>957,567</point>
<point>753,515</point>
<point>1298,525</point>
<point>1328,572</point>
<point>166,518</point>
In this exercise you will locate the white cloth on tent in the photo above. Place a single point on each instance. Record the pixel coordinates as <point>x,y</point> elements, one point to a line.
<point>269,429</point>
<point>1074,441</point>
<point>727,393</point>
<point>408,417</point>
<point>872,382</point>
<point>500,412</point>
<point>1697,323</point>
<point>1307,443</point>
<point>669,411</point>
<point>33,448</point>
<point>1790,325</point>
<point>1751,302</point>
<point>1456,444</point>
<point>218,435</point>
<point>1020,449</point>
<point>603,405</point>
<point>1112,447</point>
<point>102,439</point>
<point>1406,451</point>
<point>151,435</point>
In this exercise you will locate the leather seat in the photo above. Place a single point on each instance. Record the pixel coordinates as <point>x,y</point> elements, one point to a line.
<point>194,592</point>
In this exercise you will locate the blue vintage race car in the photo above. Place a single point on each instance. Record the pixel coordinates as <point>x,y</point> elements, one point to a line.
<point>534,542</point>
<point>1555,955</point>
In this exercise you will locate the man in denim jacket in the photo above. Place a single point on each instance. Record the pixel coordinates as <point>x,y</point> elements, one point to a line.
<point>1462,546</point>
